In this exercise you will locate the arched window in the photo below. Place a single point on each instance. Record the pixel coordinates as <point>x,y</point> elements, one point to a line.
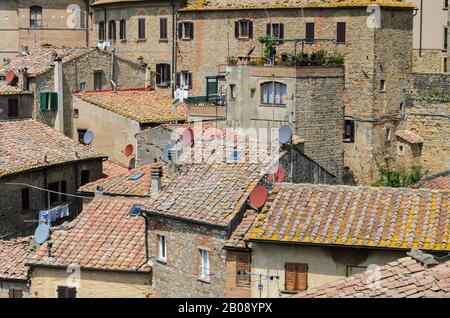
<point>277,96</point>
<point>112,30</point>
<point>35,17</point>
<point>101,31</point>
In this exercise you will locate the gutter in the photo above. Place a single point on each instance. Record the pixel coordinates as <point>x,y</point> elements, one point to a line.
<point>224,227</point>
<point>174,39</point>
<point>64,267</point>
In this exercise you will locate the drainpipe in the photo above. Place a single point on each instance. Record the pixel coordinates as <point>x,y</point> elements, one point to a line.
<point>87,23</point>
<point>421,28</point>
<point>174,38</point>
<point>111,72</point>
<point>147,254</point>
<point>58,88</point>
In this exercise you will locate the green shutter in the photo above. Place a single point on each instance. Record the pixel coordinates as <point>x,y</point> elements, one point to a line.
<point>53,101</point>
<point>44,101</point>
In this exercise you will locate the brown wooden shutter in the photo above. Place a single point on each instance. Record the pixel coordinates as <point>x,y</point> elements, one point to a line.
<point>190,80</point>
<point>11,293</point>
<point>290,275</point>
<point>302,276</point>
<point>341,30</point>
<point>243,269</point>
<point>281,31</point>
<point>269,26</point>
<point>191,31</point>
<point>158,73</point>
<point>61,291</point>
<point>309,32</point>
<point>296,276</point>
<point>18,293</point>
<point>180,30</point>
<point>250,29</point>
<point>72,293</point>
<point>236,29</point>
<point>177,79</point>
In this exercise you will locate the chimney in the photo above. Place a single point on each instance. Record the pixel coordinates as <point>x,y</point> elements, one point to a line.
<point>23,79</point>
<point>148,76</point>
<point>58,88</point>
<point>156,175</point>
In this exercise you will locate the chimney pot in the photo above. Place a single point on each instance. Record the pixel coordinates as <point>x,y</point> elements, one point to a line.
<point>156,173</point>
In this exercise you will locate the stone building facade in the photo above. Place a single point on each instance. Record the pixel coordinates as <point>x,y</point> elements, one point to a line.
<point>25,23</point>
<point>377,61</point>
<point>24,102</point>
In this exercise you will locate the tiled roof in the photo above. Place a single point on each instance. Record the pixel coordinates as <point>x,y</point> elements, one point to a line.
<point>120,184</point>
<point>40,59</point>
<point>14,254</point>
<point>112,169</point>
<point>409,136</point>
<point>403,278</point>
<point>141,105</point>
<point>211,194</point>
<point>437,182</point>
<point>6,89</point>
<point>208,111</point>
<point>103,237</point>
<point>28,144</point>
<point>237,238</point>
<point>274,4</point>
<point>102,2</point>
<point>356,216</point>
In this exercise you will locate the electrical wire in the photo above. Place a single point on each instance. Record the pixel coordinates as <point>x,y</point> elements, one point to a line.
<point>46,190</point>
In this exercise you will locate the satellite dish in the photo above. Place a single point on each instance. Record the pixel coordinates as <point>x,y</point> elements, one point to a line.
<point>278,175</point>
<point>128,151</point>
<point>284,134</point>
<point>42,233</point>
<point>10,77</point>
<point>88,137</point>
<point>187,136</point>
<point>258,197</point>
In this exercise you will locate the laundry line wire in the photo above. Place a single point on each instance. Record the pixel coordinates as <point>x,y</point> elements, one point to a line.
<point>47,190</point>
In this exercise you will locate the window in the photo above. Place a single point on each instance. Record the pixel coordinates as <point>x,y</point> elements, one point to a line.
<point>82,21</point>
<point>186,30</point>
<point>141,29</point>
<point>66,292</point>
<point>445,46</point>
<point>15,293</point>
<point>112,30</point>
<point>296,277</point>
<point>204,264</point>
<point>63,190</point>
<point>400,150</point>
<point>275,30</point>
<point>445,66</point>
<point>243,29</point>
<point>25,195</point>
<point>445,4</point>
<point>48,101</point>
<point>163,74</point>
<point>388,133</point>
<point>232,91</point>
<point>98,85</point>
<point>13,107</point>
<point>82,87</point>
<point>268,96</point>
<point>243,269</point>
<point>341,32</point>
<point>81,133</point>
<point>383,85</point>
<point>76,113</point>
<point>84,177</point>
<point>162,248</point>
<point>349,130</point>
<point>123,29</point>
<point>101,31</point>
<point>54,196</point>
<point>184,80</point>
<point>163,34</point>
<point>35,17</point>
<point>309,36</point>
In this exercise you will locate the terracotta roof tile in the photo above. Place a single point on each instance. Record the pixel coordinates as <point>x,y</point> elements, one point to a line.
<point>208,193</point>
<point>104,236</point>
<point>409,136</point>
<point>208,111</point>
<point>356,216</point>
<point>403,278</point>
<point>6,89</point>
<point>28,144</point>
<point>112,169</point>
<point>439,181</point>
<point>236,239</point>
<point>40,59</point>
<point>14,254</point>
<point>120,184</point>
<point>274,4</point>
<point>141,105</point>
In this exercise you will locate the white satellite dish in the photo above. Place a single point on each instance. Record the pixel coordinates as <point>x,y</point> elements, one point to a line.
<point>88,137</point>
<point>42,233</point>
<point>285,134</point>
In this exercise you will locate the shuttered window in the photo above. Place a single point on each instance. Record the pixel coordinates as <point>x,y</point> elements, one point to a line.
<point>66,292</point>
<point>243,269</point>
<point>101,31</point>
<point>204,264</point>
<point>112,30</point>
<point>123,29</point>
<point>13,107</point>
<point>15,293</point>
<point>141,29</point>
<point>309,36</point>
<point>49,101</point>
<point>163,34</point>
<point>35,17</point>
<point>243,29</point>
<point>296,277</point>
<point>163,74</point>
<point>341,32</point>
<point>186,30</point>
<point>275,30</point>
<point>25,196</point>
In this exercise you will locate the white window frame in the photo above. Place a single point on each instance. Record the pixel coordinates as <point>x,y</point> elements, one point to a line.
<point>205,265</point>
<point>272,31</point>
<point>240,29</point>
<point>162,248</point>
<point>277,96</point>
<point>233,92</point>
<point>184,79</point>
<point>185,31</point>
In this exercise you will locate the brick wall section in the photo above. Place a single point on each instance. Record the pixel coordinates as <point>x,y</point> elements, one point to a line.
<point>126,75</point>
<point>233,290</point>
<point>11,215</point>
<point>179,276</point>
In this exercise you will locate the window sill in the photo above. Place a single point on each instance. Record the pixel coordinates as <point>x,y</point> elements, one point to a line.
<point>163,85</point>
<point>162,261</point>
<point>290,292</point>
<point>204,280</point>
<point>243,38</point>
<point>123,40</point>
<point>163,40</point>
<point>186,39</point>
<point>273,105</point>
<point>141,40</point>
<point>348,141</point>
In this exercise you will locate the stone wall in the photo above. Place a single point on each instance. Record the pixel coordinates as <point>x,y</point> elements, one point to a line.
<point>81,70</point>
<point>179,276</point>
<point>25,102</point>
<point>429,61</point>
<point>233,289</point>
<point>6,285</point>
<point>12,217</point>
<point>92,284</point>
